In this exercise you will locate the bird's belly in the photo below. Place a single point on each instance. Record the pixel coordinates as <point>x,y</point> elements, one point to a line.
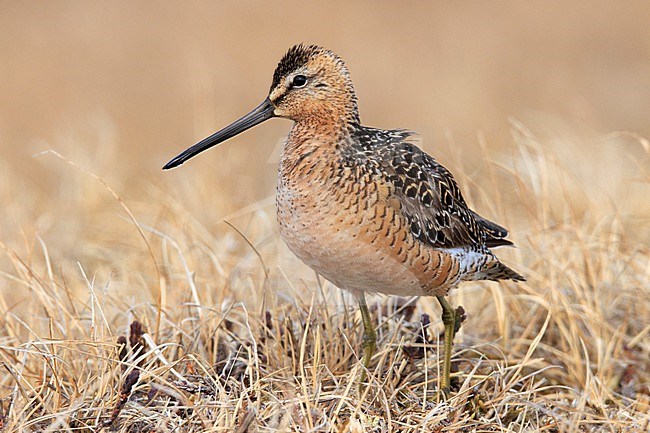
<point>344,245</point>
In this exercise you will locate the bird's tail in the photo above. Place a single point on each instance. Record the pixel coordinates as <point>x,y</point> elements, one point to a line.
<point>499,271</point>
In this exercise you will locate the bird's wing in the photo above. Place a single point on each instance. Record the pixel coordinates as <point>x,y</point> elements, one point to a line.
<point>495,234</point>
<point>427,194</point>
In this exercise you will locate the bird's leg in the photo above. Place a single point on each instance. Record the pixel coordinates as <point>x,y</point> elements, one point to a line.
<point>452,319</point>
<point>369,334</point>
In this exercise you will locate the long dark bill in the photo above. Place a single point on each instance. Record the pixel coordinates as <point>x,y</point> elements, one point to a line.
<point>262,112</point>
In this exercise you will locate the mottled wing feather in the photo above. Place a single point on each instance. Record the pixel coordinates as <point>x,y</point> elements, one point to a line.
<point>495,234</point>
<point>430,199</point>
<point>426,192</point>
<point>493,229</point>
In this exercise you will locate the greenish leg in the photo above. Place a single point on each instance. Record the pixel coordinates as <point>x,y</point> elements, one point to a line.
<point>369,334</point>
<point>452,319</point>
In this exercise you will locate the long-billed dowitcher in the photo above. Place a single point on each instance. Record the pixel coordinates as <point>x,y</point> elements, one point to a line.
<point>365,207</point>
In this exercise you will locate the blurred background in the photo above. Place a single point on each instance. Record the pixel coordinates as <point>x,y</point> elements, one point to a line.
<point>121,87</point>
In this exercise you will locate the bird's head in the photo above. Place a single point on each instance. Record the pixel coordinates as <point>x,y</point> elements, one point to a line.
<point>310,85</point>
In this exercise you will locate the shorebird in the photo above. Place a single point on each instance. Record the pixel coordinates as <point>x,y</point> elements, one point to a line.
<point>364,207</point>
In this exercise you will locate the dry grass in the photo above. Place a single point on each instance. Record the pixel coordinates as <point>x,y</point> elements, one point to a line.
<point>234,341</point>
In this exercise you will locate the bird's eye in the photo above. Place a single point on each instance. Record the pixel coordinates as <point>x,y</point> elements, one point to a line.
<point>299,81</point>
